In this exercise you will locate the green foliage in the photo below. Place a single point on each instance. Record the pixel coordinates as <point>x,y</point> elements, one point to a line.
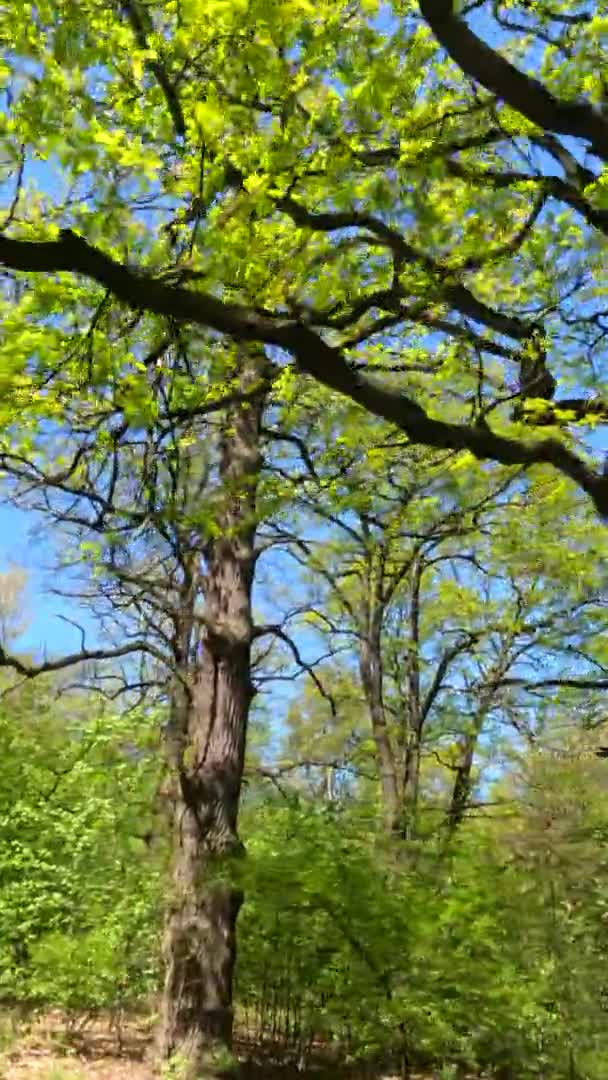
<point>482,955</point>
<point>78,893</point>
<point>451,958</point>
<point>337,171</point>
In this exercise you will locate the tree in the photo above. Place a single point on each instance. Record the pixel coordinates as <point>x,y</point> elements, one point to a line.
<point>210,702</point>
<point>13,617</point>
<point>430,617</point>
<point>163,503</point>
<point>556,839</point>
<point>80,883</point>
<point>290,188</point>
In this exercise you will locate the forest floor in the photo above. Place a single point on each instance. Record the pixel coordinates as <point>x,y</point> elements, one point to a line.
<point>49,1049</point>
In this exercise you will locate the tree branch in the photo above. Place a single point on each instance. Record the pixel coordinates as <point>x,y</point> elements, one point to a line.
<point>570,684</point>
<point>552,186</point>
<point>403,252</point>
<point>278,632</point>
<point>138,19</point>
<point>522,92</point>
<point>446,659</point>
<point>81,657</point>
<point>326,363</point>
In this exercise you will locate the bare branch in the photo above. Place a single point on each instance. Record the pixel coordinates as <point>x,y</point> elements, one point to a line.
<point>278,632</point>
<point>59,663</point>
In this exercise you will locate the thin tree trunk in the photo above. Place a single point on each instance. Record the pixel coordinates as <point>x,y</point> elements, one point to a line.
<point>206,747</point>
<point>372,611</point>
<point>463,782</point>
<point>415,718</point>
<point>411,783</point>
<point>370,666</point>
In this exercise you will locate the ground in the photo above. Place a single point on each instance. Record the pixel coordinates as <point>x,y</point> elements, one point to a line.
<point>48,1048</point>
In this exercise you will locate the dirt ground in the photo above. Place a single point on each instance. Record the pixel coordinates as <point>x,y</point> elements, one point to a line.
<point>50,1067</point>
<point>49,1049</point>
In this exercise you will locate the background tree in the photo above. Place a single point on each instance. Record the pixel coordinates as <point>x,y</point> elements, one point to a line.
<point>412,580</point>
<point>13,604</point>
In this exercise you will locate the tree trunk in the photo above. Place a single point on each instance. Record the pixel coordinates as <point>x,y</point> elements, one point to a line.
<point>411,783</point>
<point>370,667</point>
<point>206,746</point>
<point>414,716</point>
<point>463,785</point>
<point>463,782</point>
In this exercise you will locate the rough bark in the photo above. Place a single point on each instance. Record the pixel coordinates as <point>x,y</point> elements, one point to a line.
<point>206,747</point>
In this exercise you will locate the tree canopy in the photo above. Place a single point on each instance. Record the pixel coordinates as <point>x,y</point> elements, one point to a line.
<point>405,202</point>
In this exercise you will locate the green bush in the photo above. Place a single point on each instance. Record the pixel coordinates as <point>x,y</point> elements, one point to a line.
<point>385,949</point>
<point>79,890</point>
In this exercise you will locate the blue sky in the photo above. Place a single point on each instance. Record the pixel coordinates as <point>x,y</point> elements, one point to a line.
<point>25,542</point>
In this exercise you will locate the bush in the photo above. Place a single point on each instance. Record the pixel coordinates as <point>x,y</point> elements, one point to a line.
<point>79,891</point>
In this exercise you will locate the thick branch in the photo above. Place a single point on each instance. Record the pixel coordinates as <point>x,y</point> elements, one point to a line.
<point>314,356</point>
<point>523,92</point>
<point>138,290</point>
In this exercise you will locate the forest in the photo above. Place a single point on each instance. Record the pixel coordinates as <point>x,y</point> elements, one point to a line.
<point>303,521</point>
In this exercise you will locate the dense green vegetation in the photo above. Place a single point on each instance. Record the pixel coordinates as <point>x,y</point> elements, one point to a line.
<point>487,954</point>
<point>302,380</point>
<point>80,900</point>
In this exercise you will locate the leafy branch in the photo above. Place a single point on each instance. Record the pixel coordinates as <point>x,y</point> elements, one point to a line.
<point>326,363</point>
